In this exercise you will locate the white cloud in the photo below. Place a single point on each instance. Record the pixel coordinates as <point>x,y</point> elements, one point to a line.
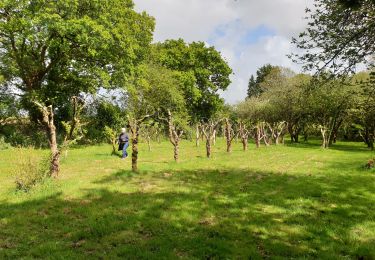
<point>225,24</point>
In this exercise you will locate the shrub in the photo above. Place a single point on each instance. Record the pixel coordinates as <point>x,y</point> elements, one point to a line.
<point>370,164</point>
<point>3,145</point>
<point>30,169</point>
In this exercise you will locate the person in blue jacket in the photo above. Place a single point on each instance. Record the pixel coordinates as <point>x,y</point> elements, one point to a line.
<point>123,141</point>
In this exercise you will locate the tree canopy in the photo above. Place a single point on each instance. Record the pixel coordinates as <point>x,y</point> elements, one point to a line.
<point>339,36</point>
<point>204,70</point>
<point>254,88</point>
<point>52,50</point>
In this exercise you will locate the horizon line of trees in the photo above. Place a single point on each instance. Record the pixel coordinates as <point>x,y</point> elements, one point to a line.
<point>302,104</point>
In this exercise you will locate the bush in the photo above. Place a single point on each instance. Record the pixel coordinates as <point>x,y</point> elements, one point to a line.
<point>30,169</point>
<point>3,145</point>
<point>370,164</point>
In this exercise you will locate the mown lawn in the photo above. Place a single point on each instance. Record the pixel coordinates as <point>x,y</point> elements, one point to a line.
<point>292,201</point>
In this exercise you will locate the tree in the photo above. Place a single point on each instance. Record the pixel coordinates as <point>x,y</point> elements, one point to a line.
<point>340,35</point>
<point>229,134</point>
<point>52,50</point>
<point>244,133</point>
<point>106,122</point>
<point>363,116</point>
<point>9,111</point>
<point>153,92</point>
<point>230,122</point>
<point>285,92</point>
<point>251,112</point>
<point>150,131</point>
<point>254,87</point>
<point>203,70</point>
<point>329,103</point>
<point>73,128</point>
<point>176,130</point>
<point>209,131</point>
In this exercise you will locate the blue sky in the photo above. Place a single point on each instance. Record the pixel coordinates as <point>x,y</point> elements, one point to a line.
<point>245,36</point>
<point>252,36</point>
<point>248,33</point>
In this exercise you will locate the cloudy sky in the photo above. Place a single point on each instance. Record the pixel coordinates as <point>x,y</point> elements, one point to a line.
<point>248,33</point>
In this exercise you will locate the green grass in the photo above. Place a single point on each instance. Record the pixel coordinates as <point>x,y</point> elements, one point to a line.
<point>293,201</point>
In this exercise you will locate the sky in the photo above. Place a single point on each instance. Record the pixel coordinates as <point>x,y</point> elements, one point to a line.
<point>248,33</point>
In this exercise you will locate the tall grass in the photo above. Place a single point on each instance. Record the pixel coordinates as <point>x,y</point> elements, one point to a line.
<point>30,168</point>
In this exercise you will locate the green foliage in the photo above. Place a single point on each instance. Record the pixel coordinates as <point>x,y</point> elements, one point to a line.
<point>340,35</point>
<point>155,90</point>
<point>80,45</point>
<point>30,169</point>
<point>204,73</point>
<point>254,88</point>
<point>21,133</point>
<point>105,115</point>
<point>363,113</point>
<point>3,145</point>
<point>251,109</point>
<point>109,133</point>
<point>55,50</point>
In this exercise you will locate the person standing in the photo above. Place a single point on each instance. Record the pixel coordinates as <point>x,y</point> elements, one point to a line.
<point>123,141</point>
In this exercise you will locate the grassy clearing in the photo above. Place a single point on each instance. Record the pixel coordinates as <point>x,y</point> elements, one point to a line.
<point>294,201</point>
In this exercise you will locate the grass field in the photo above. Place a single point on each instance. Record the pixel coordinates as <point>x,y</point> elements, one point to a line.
<point>292,201</point>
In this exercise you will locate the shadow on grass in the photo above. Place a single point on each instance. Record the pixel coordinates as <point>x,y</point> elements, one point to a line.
<point>202,214</point>
<point>339,146</point>
<point>122,175</point>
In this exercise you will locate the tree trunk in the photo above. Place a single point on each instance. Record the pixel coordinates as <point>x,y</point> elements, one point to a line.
<point>114,148</point>
<point>148,139</point>
<point>135,137</point>
<point>335,130</point>
<point>305,136</point>
<point>55,153</point>
<point>243,133</point>
<point>277,136</point>
<point>257,137</point>
<point>175,140</point>
<point>209,130</point>
<point>228,135</point>
<point>264,135</point>
<point>176,151</point>
<point>325,137</point>
<point>174,136</point>
<point>197,135</point>
<point>208,148</point>
<point>50,129</point>
<point>244,143</point>
<point>294,133</point>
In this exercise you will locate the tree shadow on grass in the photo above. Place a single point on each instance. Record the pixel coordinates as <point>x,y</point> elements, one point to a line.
<point>203,214</point>
<point>122,175</point>
<point>339,146</point>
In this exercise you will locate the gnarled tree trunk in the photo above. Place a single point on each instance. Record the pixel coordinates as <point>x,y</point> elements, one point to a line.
<point>279,133</point>
<point>174,136</point>
<point>325,137</point>
<point>257,136</point>
<point>197,134</point>
<point>208,148</point>
<point>209,130</point>
<point>134,128</point>
<point>244,134</point>
<point>47,121</point>
<point>229,135</point>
